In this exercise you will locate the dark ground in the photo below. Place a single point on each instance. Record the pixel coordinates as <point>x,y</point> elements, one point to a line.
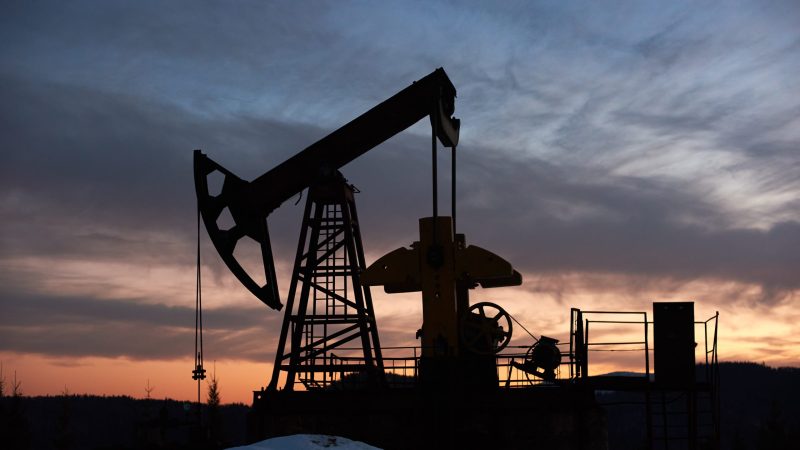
<point>760,411</point>
<point>92,422</point>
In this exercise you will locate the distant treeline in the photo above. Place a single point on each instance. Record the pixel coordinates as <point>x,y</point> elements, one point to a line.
<point>118,422</point>
<point>760,409</point>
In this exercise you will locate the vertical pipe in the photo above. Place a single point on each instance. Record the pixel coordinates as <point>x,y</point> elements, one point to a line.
<point>416,365</point>
<point>648,401</point>
<point>453,186</point>
<point>434,127</point>
<point>199,409</point>
<point>198,328</point>
<point>571,341</point>
<point>705,337</point>
<point>715,386</point>
<point>646,348</point>
<point>580,345</point>
<point>586,357</point>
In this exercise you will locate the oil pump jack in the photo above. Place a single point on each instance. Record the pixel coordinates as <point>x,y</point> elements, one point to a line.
<point>329,302</point>
<point>456,402</point>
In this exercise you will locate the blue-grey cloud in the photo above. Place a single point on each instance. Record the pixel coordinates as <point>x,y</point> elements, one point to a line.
<point>69,326</point>
<point>651,140</point>
<point>121,180</point>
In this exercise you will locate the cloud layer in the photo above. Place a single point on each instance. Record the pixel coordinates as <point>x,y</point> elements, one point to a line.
<point>630,153</point>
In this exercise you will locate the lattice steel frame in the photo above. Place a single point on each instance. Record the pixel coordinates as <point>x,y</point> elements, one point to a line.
<point>327,307</point>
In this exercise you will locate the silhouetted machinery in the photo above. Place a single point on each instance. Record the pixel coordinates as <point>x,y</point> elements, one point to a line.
<point>542,359</point>
<point>329,302</point>
<point>329,309</point>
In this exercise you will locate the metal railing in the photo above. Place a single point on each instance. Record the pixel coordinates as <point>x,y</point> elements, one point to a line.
<point>581,345</point>
<point>401,363</point>
<point>401,367</point>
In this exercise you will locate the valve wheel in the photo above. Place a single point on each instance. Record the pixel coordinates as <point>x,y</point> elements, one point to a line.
<point>485,328</point>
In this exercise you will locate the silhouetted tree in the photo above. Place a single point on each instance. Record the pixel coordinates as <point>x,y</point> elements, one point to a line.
<point>213,392</point>
<point>149,389</point>
<point>18,431</point>
<point>214,422</point>
<point>16,387</point>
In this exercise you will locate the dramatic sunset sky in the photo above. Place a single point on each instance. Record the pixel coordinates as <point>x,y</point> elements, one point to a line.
<point>617,153</point>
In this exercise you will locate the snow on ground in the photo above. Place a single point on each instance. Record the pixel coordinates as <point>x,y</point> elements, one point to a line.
<point>307,442</point>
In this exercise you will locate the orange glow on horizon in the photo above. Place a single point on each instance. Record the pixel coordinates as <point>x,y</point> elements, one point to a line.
<point>123,377</point>
<point>749,330</point>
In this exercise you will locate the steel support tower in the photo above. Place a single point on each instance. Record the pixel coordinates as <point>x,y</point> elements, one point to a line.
<point>327,308</point>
